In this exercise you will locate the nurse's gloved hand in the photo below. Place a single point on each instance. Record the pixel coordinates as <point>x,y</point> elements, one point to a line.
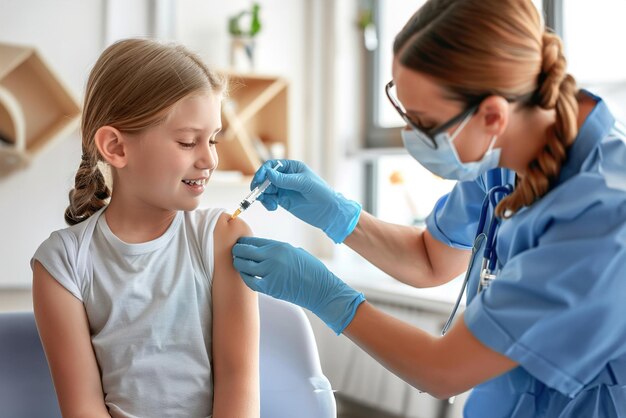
<point>292,274</point>
<point>303,193</point>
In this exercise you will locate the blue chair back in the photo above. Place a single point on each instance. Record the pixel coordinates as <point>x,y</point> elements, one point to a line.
<point>26,389</point>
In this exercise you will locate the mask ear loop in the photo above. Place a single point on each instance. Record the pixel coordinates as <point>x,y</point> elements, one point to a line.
<point>460,128</point>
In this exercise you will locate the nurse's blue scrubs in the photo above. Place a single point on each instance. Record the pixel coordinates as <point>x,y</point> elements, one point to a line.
<point>558,306</point>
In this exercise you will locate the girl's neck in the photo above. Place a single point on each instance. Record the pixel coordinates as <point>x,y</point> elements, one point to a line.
<point>134,224</point>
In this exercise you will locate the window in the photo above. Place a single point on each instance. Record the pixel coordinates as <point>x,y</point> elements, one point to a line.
<point>399,189</point>
<point>593,34</point>
<point>406,190</point>
<point>391,17</point>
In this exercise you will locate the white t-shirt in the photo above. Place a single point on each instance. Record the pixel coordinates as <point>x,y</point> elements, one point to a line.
<point>149,311</point>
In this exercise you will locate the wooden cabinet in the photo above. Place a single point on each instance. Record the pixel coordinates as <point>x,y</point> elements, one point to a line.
<point>254,122</point>
<point>35,107</point>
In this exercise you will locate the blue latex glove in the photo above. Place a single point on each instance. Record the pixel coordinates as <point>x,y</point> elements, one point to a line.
<point>292,274</point>
<point>303,193</point>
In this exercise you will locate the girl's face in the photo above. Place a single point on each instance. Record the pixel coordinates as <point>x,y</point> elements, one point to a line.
<point>170,164</point>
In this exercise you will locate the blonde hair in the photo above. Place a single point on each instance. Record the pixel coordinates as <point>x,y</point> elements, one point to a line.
<point>477,48</point>
<point>131,88</point>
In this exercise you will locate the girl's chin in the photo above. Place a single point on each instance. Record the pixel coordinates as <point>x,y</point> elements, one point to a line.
<point>190,205</point>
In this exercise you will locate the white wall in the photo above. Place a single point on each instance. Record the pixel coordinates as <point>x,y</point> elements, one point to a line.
<point>69,36</point>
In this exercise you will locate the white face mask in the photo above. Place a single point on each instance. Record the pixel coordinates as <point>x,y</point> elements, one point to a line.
<point>444,160</point>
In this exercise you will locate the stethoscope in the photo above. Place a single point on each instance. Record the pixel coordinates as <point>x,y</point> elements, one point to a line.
<point>488,271</point>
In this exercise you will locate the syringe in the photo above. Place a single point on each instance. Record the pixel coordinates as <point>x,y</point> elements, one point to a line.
<point>254,194</point>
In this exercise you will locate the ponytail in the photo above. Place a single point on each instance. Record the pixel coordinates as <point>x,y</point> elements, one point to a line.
<point>90,192</point>
<point>556,90</point>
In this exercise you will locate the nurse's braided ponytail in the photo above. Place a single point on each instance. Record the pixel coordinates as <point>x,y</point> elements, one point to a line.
<point>556,90</point>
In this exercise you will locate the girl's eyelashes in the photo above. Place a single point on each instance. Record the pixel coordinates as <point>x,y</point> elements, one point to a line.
<point>192,144</point>
<point>187,144</point>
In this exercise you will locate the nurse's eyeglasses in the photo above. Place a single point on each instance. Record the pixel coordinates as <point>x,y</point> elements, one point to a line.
<point>429,137</point>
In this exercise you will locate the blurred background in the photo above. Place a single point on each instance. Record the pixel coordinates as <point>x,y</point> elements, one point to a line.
<point>311,75</point>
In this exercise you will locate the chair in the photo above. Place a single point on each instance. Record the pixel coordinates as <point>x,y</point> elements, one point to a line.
<point>26,389</point>
<point>292,383</point>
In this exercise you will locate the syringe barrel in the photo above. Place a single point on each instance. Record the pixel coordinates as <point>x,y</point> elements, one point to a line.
<point>264,186</point>
<point>267,181</point>
<point>257,191</point>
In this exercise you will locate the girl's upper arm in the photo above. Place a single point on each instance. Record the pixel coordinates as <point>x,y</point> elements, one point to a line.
<point>235,328</point>
<point>64,331</point>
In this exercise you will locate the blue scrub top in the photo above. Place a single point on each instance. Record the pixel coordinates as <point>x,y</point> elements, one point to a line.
<point>558,306</point>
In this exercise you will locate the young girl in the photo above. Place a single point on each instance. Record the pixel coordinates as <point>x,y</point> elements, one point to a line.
<point>138,306</point>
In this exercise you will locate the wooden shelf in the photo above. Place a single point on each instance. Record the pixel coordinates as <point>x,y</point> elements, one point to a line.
<point>35,107</point>
<point>254,121</point>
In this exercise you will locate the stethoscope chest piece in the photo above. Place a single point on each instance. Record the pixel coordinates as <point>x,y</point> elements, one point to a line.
<point>486,276</point>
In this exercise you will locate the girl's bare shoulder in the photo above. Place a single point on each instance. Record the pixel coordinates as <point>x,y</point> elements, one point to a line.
<point>228,230</point>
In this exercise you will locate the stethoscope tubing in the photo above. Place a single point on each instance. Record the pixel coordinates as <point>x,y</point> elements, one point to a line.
<point>475,248</point>
<point>490,257</point>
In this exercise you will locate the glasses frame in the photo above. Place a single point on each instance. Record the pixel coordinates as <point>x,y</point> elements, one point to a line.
<point>429,133</point>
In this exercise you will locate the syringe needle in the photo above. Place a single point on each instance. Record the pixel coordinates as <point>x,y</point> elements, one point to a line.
<point>235,214</point>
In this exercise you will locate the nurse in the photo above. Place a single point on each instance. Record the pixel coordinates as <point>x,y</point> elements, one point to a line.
<point>484,92</point>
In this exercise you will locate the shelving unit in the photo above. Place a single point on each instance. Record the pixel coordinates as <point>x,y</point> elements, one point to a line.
<point>255,122</point>
<point>35,107</point>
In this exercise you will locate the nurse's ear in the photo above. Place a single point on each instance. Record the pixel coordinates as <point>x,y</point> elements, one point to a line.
<point>494,114</point>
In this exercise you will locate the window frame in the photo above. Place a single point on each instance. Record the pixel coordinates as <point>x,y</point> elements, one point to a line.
<point>377,136</point>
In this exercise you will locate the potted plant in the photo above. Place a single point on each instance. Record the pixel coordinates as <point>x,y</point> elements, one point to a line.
<point>243,28</point>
